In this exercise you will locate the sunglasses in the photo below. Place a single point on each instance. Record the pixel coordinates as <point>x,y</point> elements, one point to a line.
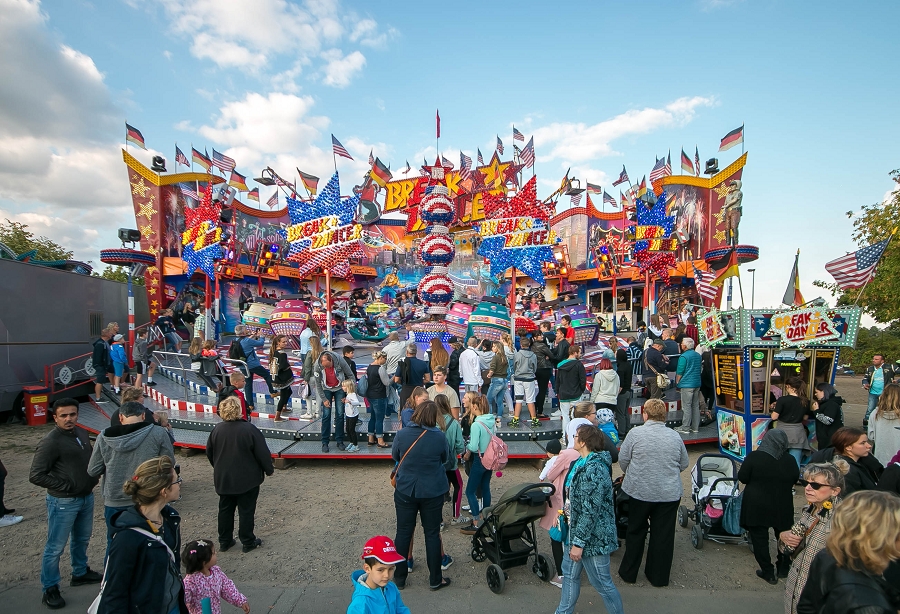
<point>813,485</point>
<point>178,481</point>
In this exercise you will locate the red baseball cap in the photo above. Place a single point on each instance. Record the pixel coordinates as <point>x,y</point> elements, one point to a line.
<point>382,548</point>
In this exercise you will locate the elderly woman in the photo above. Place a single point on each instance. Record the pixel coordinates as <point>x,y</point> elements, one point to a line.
<point>769,473</point>
<point>421,453</point>
<point>143,572</point>
<point>590,534</point>
<point>846,577</point>
<point>822,484</point>
<point>652,457</point>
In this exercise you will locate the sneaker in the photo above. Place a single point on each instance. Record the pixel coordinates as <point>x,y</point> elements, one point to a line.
<point>341,446</point>
<point>446,562</point>
<point>556,581</point>
<point>465,508</point>
<point>410,564</point>
<point>252,546</point>
<point>88,577</point>
<point>462,520</point>
<point>695,431</point>
<point>306,416</point>
<point>325,447</point>
<point>556,414</point>
<point>535,423</point>
<point>151,383</point>
<point>513,422</point>
<point>52,599</point>
<point>8,520</point>
<point>355,448</point>
<point>223,547</point>
<point>682,429</point>
<point>469,529</point>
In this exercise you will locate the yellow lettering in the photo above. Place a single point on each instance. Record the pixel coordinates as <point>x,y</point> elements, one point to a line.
<point>452,183</point>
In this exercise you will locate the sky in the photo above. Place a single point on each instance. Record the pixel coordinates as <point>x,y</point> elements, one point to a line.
<point>597,84</point>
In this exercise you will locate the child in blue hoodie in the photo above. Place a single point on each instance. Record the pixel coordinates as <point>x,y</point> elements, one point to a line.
<point>119,360</point>
<point>374,593</point>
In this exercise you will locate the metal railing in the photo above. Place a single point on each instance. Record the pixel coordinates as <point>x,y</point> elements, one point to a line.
<point>69,373</point>
<point>161,358</point>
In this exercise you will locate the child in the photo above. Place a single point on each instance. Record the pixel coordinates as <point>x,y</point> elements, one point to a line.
<point>352,403</point>
<point>235,389</point>
<point>120,360</point>
<point>605,420</point>
<point>348,358</point>
<point>204,362</point>
<point>553,449</point>
<point>205,580</point>
<point>373,590</point>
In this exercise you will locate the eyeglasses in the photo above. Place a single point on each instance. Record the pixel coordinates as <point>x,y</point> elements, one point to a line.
<point>178,481</point>
<point>813,485</point>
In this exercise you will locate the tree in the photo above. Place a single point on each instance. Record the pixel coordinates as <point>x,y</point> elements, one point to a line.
<point>17,237</point>
<point>871,341</point>
<point>119,273</point>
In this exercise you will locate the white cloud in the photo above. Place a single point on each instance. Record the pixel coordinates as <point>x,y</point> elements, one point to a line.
<point>341,69</point>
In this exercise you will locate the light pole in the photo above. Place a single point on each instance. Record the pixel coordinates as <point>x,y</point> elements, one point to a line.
<point>752,286</point>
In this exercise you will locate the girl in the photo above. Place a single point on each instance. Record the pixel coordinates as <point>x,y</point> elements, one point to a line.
<point>206,580</point>
<point>882,432</point>
<point>437,355</point>
<point>497,375</point>
<point>584,413</point>
<point>352,403</point>
<point>282,375</point>
<point>465,419</point>
<point>309,361</point>
<point>829,415</point>
<point>485,354</point>
<point>418,395</point>
<point>479,477</point>
<point>789,411</point>
<point>452,430</point>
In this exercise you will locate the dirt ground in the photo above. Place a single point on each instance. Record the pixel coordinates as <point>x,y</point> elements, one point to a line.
<point>314,518</point>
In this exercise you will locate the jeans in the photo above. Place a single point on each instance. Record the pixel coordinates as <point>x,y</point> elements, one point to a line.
<point>479,481</point>
<point>246,508</point>
<point>336,398</point>
<point>107,516</point>
<point>872,403</point>
<point>543,378</point>
<point>67,516</point>
<point>248,387</point>
<point>495,395</point>
<point>174,340</point>
<point>623,413</point>
<point>597,568</point>
<point>376,416</point>
<point>797,453</point>
<point>690,406</point>
<point>653,390</point>
<point>407,509</point>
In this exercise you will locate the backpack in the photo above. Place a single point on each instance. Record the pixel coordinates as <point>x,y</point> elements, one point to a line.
<point>236,350</point>
<point>496,456</point>
<point>362,386</point>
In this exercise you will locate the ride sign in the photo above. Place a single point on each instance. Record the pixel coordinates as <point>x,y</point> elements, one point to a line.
<point>803,326</point>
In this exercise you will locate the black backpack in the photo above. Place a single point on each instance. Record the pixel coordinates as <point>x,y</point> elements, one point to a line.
<point>236,350</point>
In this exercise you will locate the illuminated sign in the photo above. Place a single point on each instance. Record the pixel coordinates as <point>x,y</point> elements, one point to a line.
<point>803,326</point>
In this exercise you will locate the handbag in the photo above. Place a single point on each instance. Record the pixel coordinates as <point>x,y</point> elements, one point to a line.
<point>795,552</point>
<point>662,380</point>
<point>397,466</point>
<point>731,519</point>
<point>559,532</point>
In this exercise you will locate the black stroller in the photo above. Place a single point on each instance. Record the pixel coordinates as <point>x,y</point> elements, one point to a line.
<point>713,482</point>
<point>507,536</point>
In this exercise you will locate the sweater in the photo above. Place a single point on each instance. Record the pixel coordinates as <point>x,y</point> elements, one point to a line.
<point>592,518</point>
<point>379,600</point>
<point>239,455</point>
<point>689,367</point>
<point>606,387</point>
<point>421,475</point>
<point>60,463</point>
<point>216,586</point>
<point>249,345</point>
<point>571,380</point>
<point>341,371</point>
<point>525,366</point>
<point>479,438</point>
<point>470,368</point>
<point>119,451</point>
<point>884,436</point>
<point>653,457</point>
<point>499,365</point>
<point>117,353</point>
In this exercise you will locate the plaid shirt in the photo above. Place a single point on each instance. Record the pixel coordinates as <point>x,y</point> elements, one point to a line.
<point>815,542</point>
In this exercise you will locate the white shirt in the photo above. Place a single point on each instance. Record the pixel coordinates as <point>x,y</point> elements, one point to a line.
<point>470,368</point>
<point>352,403</point>
<point>395,351</point>
<point>547,467</point>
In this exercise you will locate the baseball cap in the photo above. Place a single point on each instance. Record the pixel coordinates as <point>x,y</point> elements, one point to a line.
<point>452,339</point>
<point>118,338</point>
<point>553,446</point>
<point>382,549</point>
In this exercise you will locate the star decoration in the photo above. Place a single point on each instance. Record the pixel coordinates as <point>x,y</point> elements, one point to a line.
<point>511,174</point>
<point>152,270</point>
<point>720,218</point>
<point>203,259</point>
<point>652,254</point>
<point>720,235</point>
<point>140,188</point>
<point>722,190</point>
<point>147,231</point>
<point>201,235</point>
<point>146,210</point>
<point>494,173</point>
<point>153,312</point>
<point>154,303</point>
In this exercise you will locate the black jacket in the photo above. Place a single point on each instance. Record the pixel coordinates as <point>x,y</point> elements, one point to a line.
<point>623,368</point>
<point>60,463</point>
<point>138,566</point>
<point>571,380</point>
<point>561,351</point>
<point>654,358</point>
<point>239,455</point>
<point>352,365</point>
<point>208,364</point>
<point>453,376</point>
<point>830,409</point>
<point>545,357</point>
<point>767,500</point>
<point>890,479</point>
<point>101,358</point>
<point>863,474</point>
<point>833,590</point>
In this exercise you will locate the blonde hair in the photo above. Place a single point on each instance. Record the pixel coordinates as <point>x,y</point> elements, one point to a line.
<point>237,373</point>
<point>656,410</point>
<point>889,403</point>
<point>195,346</point>
<point>864,531</point>
<point>230,409</point>
<point>583,409</point>
<point>315,349</point>
<point>132,393</point>
<point>349,386</point>
<point>469,395</point>
<point>149,479</point>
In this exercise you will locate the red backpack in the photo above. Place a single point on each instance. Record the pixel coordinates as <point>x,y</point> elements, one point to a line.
<point>496,456</point>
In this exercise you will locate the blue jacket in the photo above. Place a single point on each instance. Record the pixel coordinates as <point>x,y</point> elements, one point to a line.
<point>689,367</point>
<point>117,353</point>
<point>592,518</point>
<point>367,600</point>
<point>249,344</point>
<point>422,474</point>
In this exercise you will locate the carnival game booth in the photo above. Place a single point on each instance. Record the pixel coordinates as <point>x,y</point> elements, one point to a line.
<point>754,351</point>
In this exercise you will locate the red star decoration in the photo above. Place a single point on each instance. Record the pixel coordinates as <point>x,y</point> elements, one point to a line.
<point>205,211</point>
<point>523,204</point>
<point>511,174</point>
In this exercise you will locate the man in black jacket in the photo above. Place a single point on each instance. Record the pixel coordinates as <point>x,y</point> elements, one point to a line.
<point>60,465</point>
<point>656,364</point>
<point>101,361</point>
<point>453,377</point>
<point>623,368</point>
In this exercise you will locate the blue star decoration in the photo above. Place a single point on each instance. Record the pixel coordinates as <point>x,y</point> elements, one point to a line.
<point>653,216</point>
<point>204,259</point>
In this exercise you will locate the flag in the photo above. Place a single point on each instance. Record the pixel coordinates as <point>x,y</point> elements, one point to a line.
<point>465,165</point>
<point>858,268</point>
<point>201,159</point>
<point>686,164</point>
<point>659,170</point>
<point>499,146</point>
<point>238,181</point>
<point>133,135</point>
<point>575,199</point>
<point>437,119</point>
<point>642,187</point>
<point>623,177</point>
<point>518,136</point>
<point>623,199</point>
<point>697,160</point>
<point>668,166</point>
<point>735,137</point>
<point>446,163</point>
<point>310,182</point>
<point>222,162</point>
<point>187,189</point>
<point>380,174</point>
<point>338,149</point>
<point>180,158</point>
<point>704,288</point>
<point>371,158</point>
<point>594,189</point>
<point>792,294</point>
<point>609,199</point>
<point>730,270</point>
<point>253,194</point>
<point>480,158</point>
<point>273,200</point>
<point>527,157</point>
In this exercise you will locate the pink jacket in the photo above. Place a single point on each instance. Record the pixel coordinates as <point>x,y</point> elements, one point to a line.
<point>216,585</point>
<point>557,476</point>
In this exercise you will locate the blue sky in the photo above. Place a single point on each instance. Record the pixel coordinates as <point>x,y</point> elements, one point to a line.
<point>598,84</point>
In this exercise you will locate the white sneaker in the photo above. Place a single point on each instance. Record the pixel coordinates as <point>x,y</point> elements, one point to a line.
<point>305,416</point>
<point>465,508</point>
<point>683,430</point>
<point>556,414</point>
<point>10,520</point>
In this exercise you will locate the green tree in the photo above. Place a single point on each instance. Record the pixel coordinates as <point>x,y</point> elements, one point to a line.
<point>871,341</point>
<point>119,273</point>
<point>17,237</point>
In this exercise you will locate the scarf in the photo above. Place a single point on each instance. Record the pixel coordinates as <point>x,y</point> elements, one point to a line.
<point>775,443</point>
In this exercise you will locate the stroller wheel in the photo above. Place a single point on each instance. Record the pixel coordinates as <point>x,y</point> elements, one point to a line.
<point>478,553</point>
<point>682,516</point>
<point>697,536</point>
<point>496,578</point>
<point>542,567</point>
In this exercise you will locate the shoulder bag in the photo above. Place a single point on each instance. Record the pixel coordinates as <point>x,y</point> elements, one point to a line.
<point>662,380</point>
<point>408,450</point>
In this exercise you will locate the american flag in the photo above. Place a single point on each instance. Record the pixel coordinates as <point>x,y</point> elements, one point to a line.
<point>609,199</point>
<point>518,136</point>
<point>696,161</point>
<point>273,200</point>
<point>659,170</point>
<point>857,268</point>
<point>338,149</point>
<point>702,279</point>
<point>408,167</point>
<point>180,158</point>
<point>446,163</point>
<point>371,158</point>
<point>623,177</point>
<point>527,155</point>
<point>499,146</point>
<point>188,190</point>
<point>668,166</point>
<point>480,158</point>
<point>465,165</point>
<point>575,199</point>
<point>222,162</point>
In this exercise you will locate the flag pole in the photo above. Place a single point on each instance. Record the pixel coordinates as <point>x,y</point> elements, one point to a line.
<point>334,157</point>
<point>743,138</point>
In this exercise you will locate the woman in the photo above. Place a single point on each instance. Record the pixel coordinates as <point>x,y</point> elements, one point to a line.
<point>769,474</point>
<point>378,380</point>
<point>437,355</point>
<point>583,413</point>
<point>482,427</point>
<point>605,389</point>
<point>417,396</point>
<point>828,413</point>
<point>309,362</point>
<point>456,446</point>
<point>822,485</point>
<point>545,363</point>
<point>884,425</point>
<point>282,375</point>
<point>485,355</point>
<point>789,412</point>
<point>854,446</point>
<point>652,457</point>
<point>497,374</point>
<point>846,577</point>
<point>143,570</point>
<point>680,333</point>
<point>591,528</point>
<point>654,330</point>
<point>556,474</point>
<point>420,451</point>
<point>509,350</point>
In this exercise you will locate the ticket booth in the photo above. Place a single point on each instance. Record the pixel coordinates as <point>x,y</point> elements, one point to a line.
<point>755,351</point>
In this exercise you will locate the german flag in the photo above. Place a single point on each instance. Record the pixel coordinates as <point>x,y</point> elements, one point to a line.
<point>133,135</point>
<point>253,194</point>
<point>642,187</point>
<point>735,137</point>
<point>686,163</point>
<point>238,181</point>
<point>201,159</point>
<point>730,270</point>
<point>380,174</point>
<point>310,182</point>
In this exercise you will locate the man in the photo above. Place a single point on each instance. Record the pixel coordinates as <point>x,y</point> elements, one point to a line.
<point>328,374</point>
<point>524,383</point>
<point>248,346</point>
<point>656,363</point>
<point>453,377</point>
<point>470,367</point>
<point>571,380</point>
<point>635,355</point>
<point>546,329</point>
<point>546,360</point>
<point>687,380</point>
<point>118,452</point>
<point>441,387</point>
<point>878,375</point>
<point>143,359</point>
<point>132,394</point>
<point>670,346</point>
<point>101,361</point>
<point>395,350</point>
<point>411,372</point>
<point>60,465</point>
<point>561,351</point>
<point>623,400</point>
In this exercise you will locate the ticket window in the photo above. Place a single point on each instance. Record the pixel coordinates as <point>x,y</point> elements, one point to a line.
<point>770,368</point>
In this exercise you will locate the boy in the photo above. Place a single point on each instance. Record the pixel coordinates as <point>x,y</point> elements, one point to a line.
<point>348,358</point>
<point>553,449</point>
<point>237,381</point>
<point>373,590</point>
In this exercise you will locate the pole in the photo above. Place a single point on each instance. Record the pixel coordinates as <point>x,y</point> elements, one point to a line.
<point>328,307</point>
<point>730,288</point>
<point>741,289</point>
<point>614,301</point>
<point>130,314</point>
<point>752,287</point>
<point>512,305</point>
<point>218,318</point>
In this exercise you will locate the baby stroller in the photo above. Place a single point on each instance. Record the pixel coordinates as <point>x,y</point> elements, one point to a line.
<point>507,536</point>
<point>713,482</point>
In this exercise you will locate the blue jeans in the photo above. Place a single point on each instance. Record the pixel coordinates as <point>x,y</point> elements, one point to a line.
<point>495,395</point>
<point>871,405</point>
<point>479,478</point>
<point>597,568</point>
<point>248,386</point>
<point>376,416</point>
<point>107,516</point>
<point>336,398</point>
<point>797,453</point>
<point>67,516</point>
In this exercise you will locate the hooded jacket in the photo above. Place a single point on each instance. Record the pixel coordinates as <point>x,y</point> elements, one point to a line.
<point>341,371</point>
<point>829,418</point>
<point>367,600</point>
<point>60,463</point>
<point>545,358</point>
<point>605,387</point>
<point>119,450</point>
<point>525,366</point>
<point>571,380</point>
